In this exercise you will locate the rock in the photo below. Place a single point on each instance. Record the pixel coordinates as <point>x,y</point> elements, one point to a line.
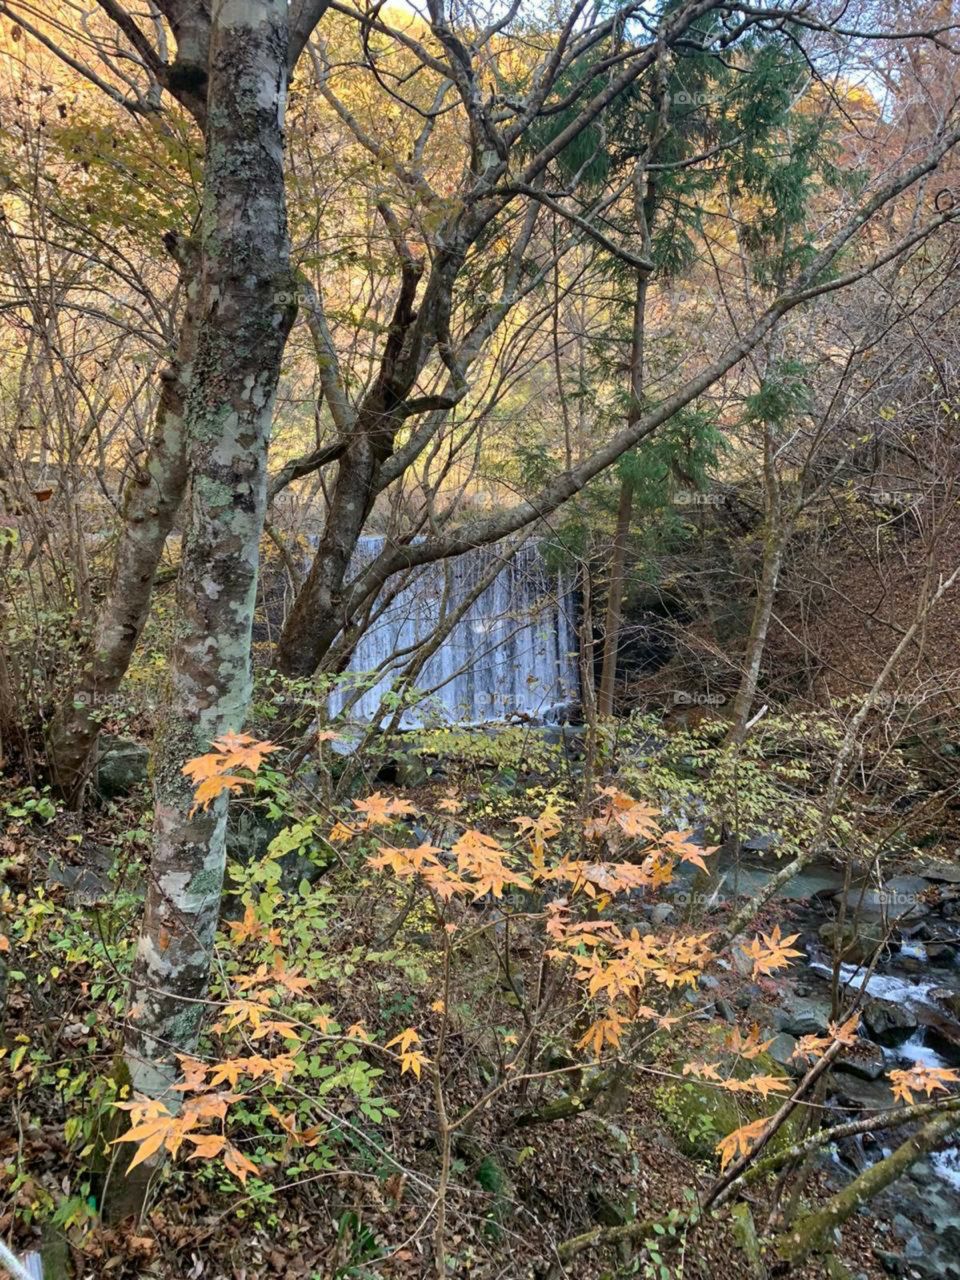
<point>940,1032</point>
<point>940,872</point>
<point>859,940</point>
<point>892,1263</point>
<point>698,1114</point>
<point>745,1235</point>
<point>802,1015</point>
<point>250,833</point>
<point>88,881</point>
<point>855,1091</point>
<point>949,999</point>
<point>888,1023</point>
<point>760,843</point>
<point>725,1010</point>
<point>861,1059</point>
<point>940,954</point>
<point>899,899</point>
<point>741,962</point>
<point>782,1049</point>
<point>661,913</point>
<point>121,766</point>
<point>604,1209</point>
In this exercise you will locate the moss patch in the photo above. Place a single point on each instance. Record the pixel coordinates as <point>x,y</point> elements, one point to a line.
<point>699,1114</point>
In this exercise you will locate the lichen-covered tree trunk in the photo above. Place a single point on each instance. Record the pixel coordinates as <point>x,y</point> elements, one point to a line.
<point>151,504</point>
<point>244,323</point>
<point>815,1231</point>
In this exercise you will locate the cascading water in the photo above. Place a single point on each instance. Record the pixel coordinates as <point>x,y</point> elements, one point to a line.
<point>513,652</point>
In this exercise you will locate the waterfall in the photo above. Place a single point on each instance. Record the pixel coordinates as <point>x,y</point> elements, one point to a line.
<point>513,652</point>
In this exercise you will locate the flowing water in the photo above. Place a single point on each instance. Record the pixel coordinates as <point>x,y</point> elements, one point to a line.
<point>513,653</point>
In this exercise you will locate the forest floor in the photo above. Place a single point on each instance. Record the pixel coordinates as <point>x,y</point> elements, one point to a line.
<point>514,1195</point>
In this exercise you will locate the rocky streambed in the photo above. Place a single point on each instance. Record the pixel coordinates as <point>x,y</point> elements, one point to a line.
<point>896,947</point>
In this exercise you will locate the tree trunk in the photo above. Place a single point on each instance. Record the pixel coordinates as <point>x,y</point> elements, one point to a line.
<point>318,614</point>
<point>245,320</point>
<point>151,504</point>
<point>815,1231</point>
<point>618,563</point>
<point>776,533</point>
<point>614,614</point>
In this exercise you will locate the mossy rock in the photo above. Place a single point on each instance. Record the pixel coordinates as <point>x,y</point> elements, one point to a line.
<point>699,1114</point>
<point>122,766</point>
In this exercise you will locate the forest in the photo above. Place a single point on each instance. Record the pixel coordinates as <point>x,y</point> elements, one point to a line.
<point>479,687</point>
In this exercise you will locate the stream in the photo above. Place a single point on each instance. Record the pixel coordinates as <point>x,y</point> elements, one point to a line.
<point>910,1013</point>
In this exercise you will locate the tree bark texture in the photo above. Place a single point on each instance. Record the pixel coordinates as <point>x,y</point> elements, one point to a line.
<point>152,500</point>
<point>775,536</point>
<point>245,319</point>
<point>618,564</point>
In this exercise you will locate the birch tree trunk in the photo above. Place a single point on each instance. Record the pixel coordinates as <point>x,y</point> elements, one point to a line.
<point>151,504</point>
<point>244,323</point>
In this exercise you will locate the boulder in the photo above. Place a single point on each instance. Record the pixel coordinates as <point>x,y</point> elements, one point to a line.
<point>121,766</point>
<point>900,899</point>
<point>782,1051</point>
<point>855,1091</point>
<point>761,843</point>
<point>940,872</point>
<point>941,954</point>
<point>941,1032</point>
<point>949,999</point>
<point>802,1015</point>
<point>862,1059</point>
<point>698,1114</point>
<point>888,1023</point>
<point>859,940</point>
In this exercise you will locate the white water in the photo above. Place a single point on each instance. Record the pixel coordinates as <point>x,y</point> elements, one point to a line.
<point>947,1166</point>
<point>514,651</point>
<point>881,985</point>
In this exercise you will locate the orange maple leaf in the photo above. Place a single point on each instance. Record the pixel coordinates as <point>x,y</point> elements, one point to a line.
<point>741,1141</point>
<point>238,1164</point>
<point>771,951</point>
<point>922,1079</point>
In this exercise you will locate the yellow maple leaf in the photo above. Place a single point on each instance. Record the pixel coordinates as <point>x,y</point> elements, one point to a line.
<point>606,1030</point>
<point>411,1059</point>
<point>749,1046</point>
<point>248,927</point>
